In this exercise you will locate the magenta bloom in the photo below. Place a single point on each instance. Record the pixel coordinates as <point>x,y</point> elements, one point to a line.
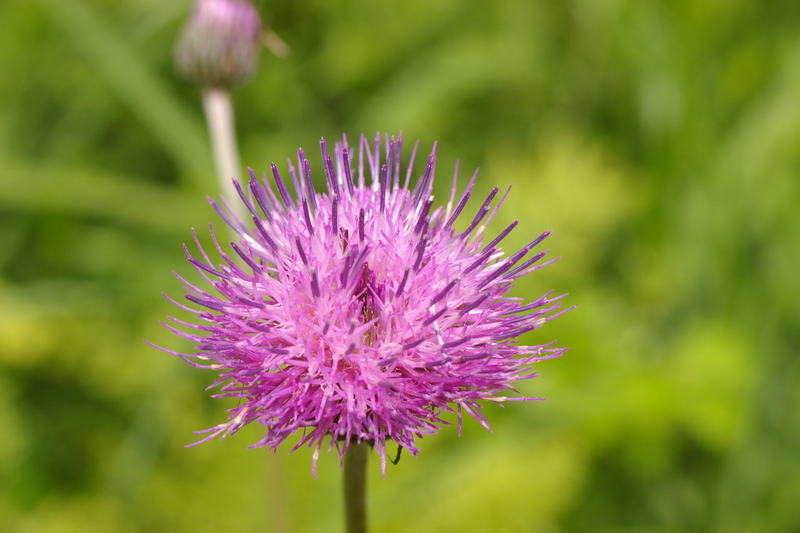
<point>361,313</point>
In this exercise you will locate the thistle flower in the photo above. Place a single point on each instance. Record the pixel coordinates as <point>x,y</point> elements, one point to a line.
<point>220,43</point>
<point>361,314</point>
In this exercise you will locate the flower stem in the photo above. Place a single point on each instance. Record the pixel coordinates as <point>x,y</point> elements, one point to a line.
<point>219,116</point>
<point>355,485</point>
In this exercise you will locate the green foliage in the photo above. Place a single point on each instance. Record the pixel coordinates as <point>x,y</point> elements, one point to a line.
<point>657,139</point>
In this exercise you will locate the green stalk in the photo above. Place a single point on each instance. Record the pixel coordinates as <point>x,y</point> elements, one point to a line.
<point>355,487</point>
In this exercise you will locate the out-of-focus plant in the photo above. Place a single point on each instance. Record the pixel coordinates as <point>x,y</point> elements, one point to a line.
<point>218,50</point>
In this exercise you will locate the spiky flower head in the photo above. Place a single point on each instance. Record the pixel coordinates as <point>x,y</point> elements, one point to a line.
<point>361,314</point>
<point>220,43</point>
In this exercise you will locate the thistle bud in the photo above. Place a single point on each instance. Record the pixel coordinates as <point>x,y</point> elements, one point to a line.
<point>220,43</point>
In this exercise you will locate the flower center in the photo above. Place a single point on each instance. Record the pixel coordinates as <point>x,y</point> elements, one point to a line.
<point>366,292</point>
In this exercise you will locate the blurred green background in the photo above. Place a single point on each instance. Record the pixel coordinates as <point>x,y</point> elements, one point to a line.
<point>660,140</point>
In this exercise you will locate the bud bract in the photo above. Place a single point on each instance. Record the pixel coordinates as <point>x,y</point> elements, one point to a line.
<point>220,43</point>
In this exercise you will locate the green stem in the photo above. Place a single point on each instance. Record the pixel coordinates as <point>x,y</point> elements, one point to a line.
<point>355,485</point>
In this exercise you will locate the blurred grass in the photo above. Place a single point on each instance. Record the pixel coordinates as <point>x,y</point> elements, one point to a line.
<point>659,140</point>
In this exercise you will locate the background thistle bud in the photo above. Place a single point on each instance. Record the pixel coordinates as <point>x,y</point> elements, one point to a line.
<point>220,43</point>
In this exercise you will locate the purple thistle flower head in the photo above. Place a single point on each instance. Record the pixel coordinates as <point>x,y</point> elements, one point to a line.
<point>361,314</point>
<point>220,43</point>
